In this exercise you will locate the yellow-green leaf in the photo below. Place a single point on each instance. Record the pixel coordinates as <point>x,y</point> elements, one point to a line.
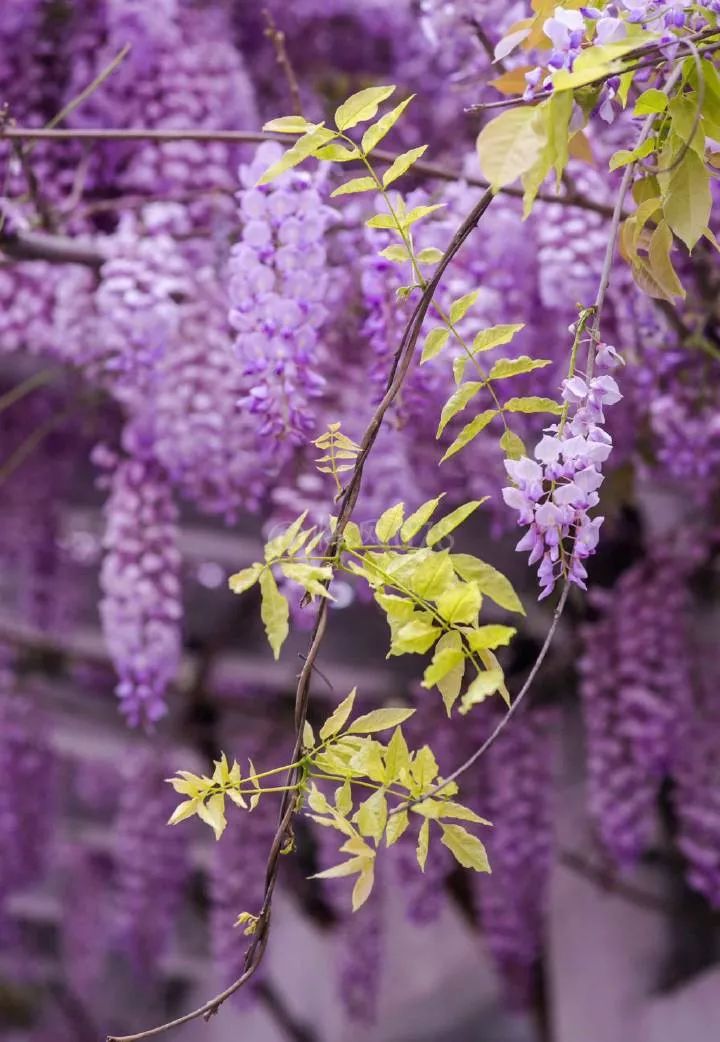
<point>512,445</point>
<point>382,220</point>
<point>434,343</point>
<point>347,868</point>
<point>396,253</point>
<point>337,153</point>
<point>213,814</point>
<point>418,212</point>
<point>371,816</point>
<point>533,404</point>
<point>423,844</point>
<point>661,265</point>
<point>470,431</point>
<point>460,604</point>
<point>274,612</point>
<point>457,402</point>
<point>374,134</point>
<point>505,367</point>
<point>379,720</point>
<point>184,810</point>
<point>242,581</point>
<point>492,636</point>
<point>465,848</point>
<point>430,255</point>
<point>361,106</point>
<point>509,145</point>
<point>450,522</point>
<point>357,184</point>
<point>496,336</point>
<point>397,758</point>
<point>303,147</point>
<point>277,547</point>
<point>460,307</point>
<point>424,768</point>
<point>415,637</point>
<point>288,125</point>
<point>447,668</point>
<point>396,826</point>
<point>491,582</point>
<point>343,798</point>
<point>388,524</point>
<point>402,164</point>
<point>338,718</point>
<point>484,685</point>
<point>687,201</point>
<point>419,518</point>
<point>650,101</point>
<point>363,887</point>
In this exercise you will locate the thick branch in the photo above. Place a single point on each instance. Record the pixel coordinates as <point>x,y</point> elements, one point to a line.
<point>56,249</point>
<point>257,136</point>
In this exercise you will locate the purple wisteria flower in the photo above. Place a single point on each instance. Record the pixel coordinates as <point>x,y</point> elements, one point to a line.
<point>554,492</point>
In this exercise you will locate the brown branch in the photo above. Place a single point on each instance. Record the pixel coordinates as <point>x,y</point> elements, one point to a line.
<point>56,249</point>
<point>401,363</point>
<point>277,38</point>
<point>443,173</point>
<point>608,881</point>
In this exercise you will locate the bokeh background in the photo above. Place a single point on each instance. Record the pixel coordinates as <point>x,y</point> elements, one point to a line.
<point>170,338</point>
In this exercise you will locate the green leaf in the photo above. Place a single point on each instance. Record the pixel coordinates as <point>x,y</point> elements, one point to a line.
<point>457,402</point>
<point>430,255</point>
<point>533,404</point>
<point>596,62</point>
<point>491,582</point>
<point>661,265</point>
<point>402,164</point>
<point>372,815</point>
<point>242,581</point>
<point>451,521</point>
<point>361,106</point>
<point>484,685</point>
<point>396,826</point>
<point>274,612</point>
<point>450,809</point>
<point>505,367</point>
<point>352,536</point>
<point>388,524</point>
<point>432,572</point>
<point>650,101</point>
<point>625,156</point>
<point>687,201</point>
<point>508,146</point>
<point>434,343</point>
<point>374,134</point>
<point>423,844</point>
<point>379,720</point>
<point>459,308</point>
<point>446,669</point>
<point>460,604</point>
<point>470,431</point>
<point>465,848</point>
<point>420,518</point>
<point>303,147</point>
<point>492,636</point>
<point>512,445</point>
<point>288,125</point>
<point>486,339</point>
<point>338,718</point>
<point>357,184</point>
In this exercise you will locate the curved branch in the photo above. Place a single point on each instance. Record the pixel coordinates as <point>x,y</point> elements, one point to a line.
<point>288,808</point>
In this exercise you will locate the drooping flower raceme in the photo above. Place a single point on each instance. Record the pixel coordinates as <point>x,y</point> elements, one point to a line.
<point>554,492</point>
<point>141,607</point>
<point>278,284</point>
